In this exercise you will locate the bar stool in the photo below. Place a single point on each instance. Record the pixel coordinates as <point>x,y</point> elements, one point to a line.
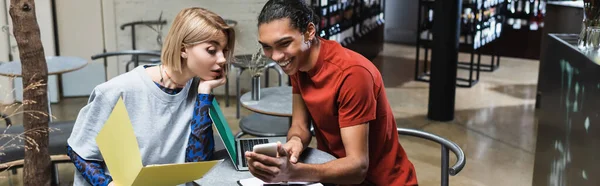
<point>13,157</point>
<point>262,125</point>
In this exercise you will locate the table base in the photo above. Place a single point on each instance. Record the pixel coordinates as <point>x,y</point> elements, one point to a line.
<point>262,125</point>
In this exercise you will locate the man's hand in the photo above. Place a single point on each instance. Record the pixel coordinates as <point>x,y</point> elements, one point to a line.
<point>294,148</point>
<point>270,169</point>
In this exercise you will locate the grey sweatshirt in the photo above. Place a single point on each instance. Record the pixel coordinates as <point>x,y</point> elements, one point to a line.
<point>160,121</point>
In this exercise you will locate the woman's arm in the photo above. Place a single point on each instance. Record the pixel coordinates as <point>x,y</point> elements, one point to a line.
<point>92,171</point>
<point>201,140</point>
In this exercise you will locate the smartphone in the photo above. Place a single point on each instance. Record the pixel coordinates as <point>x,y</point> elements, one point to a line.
<point>269,149</point>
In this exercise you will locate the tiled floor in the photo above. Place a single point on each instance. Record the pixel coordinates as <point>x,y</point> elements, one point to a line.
<point>494,124</point>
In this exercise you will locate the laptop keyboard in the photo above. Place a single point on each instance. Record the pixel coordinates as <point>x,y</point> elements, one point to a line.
<point>247,145</point>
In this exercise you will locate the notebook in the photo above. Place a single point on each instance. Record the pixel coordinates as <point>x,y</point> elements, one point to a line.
<point>120,150</point>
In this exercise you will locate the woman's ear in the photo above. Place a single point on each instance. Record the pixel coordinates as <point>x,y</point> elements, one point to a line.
<point>184,52</point>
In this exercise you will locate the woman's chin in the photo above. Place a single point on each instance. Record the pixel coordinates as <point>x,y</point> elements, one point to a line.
<point>208,78</point>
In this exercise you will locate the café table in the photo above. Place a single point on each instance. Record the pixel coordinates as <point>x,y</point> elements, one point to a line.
<point>224,173</point>
<point>273,112</point>
<point>57,65</point>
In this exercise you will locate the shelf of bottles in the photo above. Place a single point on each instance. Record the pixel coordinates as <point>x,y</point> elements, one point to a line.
<point>481,21</point>
<point>489,22</point>
<point>347,20</point>
<point>525,14</point>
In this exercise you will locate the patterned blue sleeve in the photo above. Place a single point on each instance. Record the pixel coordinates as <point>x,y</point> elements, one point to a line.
<point>201,141</point>
<point>92,171</point>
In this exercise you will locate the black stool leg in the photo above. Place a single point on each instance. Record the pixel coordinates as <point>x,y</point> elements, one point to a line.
<point>471,68</point>
<point>10,178</point>
<point>498,61</point>
<point>127,66</point>
<point>237,92</point>
<point>229,66</point>
<point>266,77</point>
<point>280,78</point>
<point>226,91</point>
<point>55,178</point>
<point>478,63</point>
<point>445,165</point>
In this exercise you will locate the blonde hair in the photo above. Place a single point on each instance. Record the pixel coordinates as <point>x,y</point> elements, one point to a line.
<point>194,26</point>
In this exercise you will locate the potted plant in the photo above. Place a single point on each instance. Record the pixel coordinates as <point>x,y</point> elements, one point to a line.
<point>256,66</point>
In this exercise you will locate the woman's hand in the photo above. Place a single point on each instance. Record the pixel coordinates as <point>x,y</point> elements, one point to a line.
<point>205,87</point>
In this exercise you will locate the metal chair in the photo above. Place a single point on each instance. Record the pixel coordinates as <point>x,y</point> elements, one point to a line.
<point>160,23</point>
<point>241,65</point>
<point>446,146</point>
<point>13,156</point>
<point>155,57</point>
<point>5,118</point>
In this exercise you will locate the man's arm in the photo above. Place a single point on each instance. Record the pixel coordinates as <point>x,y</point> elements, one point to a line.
<point>300,121</point>
<point>351,169</point>
<point>356,108</point>
<point>357,105</point>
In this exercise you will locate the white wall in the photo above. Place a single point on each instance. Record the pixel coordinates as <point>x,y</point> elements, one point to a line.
<point>43,10</point>
<point>80,33</point>
<point>44,19</point>
<point>87,27</point>
<point>6,95</point>
<point>244,12</point>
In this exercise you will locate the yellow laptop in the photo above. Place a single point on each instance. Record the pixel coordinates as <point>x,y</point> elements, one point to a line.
<point>120,150</point>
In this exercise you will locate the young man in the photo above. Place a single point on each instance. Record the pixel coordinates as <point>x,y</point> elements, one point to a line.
<point>343,93</point>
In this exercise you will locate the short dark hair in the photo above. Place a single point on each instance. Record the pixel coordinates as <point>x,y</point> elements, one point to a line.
<point>299,13</point>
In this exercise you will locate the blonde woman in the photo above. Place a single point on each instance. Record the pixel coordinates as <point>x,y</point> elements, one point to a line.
<point>169,116</point>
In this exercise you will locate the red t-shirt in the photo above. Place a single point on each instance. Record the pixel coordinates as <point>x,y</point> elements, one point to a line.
<point>345,89</point>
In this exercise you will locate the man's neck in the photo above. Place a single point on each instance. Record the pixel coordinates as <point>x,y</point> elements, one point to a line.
<point>314,54</point>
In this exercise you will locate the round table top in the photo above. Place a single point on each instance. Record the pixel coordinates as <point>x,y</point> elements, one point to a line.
<point>225,174</point>
<point>276,101</point>
<point>56,65</point>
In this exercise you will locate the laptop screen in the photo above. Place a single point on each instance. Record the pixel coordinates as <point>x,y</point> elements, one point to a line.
<point>224,130</point>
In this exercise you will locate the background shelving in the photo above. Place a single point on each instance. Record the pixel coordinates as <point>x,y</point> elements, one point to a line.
<point>347,21</point>
<point>481,21</point>
<point>525,14</point>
